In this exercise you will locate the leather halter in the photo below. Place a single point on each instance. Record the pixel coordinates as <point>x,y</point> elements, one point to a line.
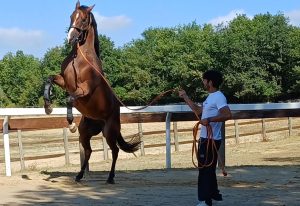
<point>82,32</point>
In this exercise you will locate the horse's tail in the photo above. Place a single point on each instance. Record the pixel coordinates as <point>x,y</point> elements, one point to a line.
<point>131,146</point>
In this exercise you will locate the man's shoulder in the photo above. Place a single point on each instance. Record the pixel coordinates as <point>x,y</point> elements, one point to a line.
<point>220,98</point>
<point>219,94</point>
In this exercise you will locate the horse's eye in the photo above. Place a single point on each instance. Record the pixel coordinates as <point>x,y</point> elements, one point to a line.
<point>84,21</point>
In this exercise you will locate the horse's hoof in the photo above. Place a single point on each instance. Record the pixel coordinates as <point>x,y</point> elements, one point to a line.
<point>78,178</point>
<point>48,109</point>
<point>112,181</point>
<point>72,127</point>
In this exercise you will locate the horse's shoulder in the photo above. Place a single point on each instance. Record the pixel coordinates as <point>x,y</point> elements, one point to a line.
<point>65,63</point>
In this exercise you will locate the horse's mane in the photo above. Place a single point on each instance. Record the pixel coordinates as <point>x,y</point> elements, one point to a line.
<point>96,40</point>
<point>94,24</point>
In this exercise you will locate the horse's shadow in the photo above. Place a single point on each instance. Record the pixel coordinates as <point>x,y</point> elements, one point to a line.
<point>54,176</point>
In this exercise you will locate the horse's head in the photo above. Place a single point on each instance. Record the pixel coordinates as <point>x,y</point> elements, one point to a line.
<point>80,23</point>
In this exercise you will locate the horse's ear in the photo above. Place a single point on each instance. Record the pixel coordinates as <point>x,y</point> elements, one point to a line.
<point>77,5</point>
<point>90,8</point>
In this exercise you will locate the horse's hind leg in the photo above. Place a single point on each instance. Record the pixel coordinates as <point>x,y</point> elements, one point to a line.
<point>115,152</point>
<point>84,141</point>
<point>87,129</point>
<point>111,132</point>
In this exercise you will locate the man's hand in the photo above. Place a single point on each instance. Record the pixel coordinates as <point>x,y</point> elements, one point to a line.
<point>205,122</point>
<point>182,93</point>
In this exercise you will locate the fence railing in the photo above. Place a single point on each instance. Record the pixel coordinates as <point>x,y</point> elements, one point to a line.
<point>167,114</point>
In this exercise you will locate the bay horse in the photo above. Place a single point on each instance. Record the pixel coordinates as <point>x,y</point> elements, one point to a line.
<point>83,78</point>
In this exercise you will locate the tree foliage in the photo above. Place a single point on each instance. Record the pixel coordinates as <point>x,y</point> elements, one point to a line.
<point>259,57</point>
<point>20,78</point>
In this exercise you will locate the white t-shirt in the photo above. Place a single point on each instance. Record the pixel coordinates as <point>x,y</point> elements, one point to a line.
<point>211,106</point>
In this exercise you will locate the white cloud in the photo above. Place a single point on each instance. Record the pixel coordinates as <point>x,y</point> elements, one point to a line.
<point>294,17</point>
<point>28,41</point>
<point>106,24</point>
<point>20,39</point>
<point>227,18</point>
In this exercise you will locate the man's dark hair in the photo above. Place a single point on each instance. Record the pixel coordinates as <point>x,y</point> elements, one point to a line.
<point>214,76</point>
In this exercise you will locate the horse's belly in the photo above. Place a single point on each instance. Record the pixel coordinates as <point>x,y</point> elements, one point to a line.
<point>93,109</point>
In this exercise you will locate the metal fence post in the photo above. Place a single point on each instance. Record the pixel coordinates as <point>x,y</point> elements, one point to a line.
<point>6,145</point>
<point>168,140</point>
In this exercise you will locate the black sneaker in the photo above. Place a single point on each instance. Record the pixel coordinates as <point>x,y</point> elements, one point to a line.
<point>208,202</point>
<point>217,197</point>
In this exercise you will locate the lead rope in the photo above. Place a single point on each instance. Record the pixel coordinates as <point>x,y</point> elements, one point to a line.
<point>195,129</point>
<point>210,143</point>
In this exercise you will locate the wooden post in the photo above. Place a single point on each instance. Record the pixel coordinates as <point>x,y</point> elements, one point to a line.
<point>264,136</point>
<point>6,145</point>
<point>66,146</point>
<point>141,138</point>
<point>222,148</point>
<point>175,130</point>
<point>105,148</point>
<point>236,131</point>
<point>21,152</point>
<point>290,126</point>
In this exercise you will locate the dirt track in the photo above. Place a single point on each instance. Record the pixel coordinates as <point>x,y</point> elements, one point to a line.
<point>275,180</point>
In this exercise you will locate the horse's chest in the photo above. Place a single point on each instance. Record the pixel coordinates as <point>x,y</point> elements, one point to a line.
<point>72,77</point>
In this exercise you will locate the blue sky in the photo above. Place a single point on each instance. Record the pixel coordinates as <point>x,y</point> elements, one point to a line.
<point>34,26</point>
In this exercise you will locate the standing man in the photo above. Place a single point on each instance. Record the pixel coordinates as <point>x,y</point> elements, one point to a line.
<point>214,112</point>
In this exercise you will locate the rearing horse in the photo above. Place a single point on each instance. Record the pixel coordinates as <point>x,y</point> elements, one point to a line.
<point>82,77</point>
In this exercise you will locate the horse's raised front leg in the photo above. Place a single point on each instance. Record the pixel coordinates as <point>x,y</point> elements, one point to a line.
<point>57,79</point>
<point>70,117</point>
<point>47,93</point>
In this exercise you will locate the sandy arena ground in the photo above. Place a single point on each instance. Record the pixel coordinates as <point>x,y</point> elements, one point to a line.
<point>272,179</point>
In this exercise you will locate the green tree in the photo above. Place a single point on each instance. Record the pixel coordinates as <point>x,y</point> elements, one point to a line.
<point>166,58</point>
<point>251,57</point>
<point>291,79</point>
<point>20,78</point>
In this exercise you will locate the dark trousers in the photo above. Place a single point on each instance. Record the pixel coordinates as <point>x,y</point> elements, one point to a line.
<point>207,179</point>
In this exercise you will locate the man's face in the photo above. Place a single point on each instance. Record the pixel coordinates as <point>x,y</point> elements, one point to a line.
<point>205,84</point>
